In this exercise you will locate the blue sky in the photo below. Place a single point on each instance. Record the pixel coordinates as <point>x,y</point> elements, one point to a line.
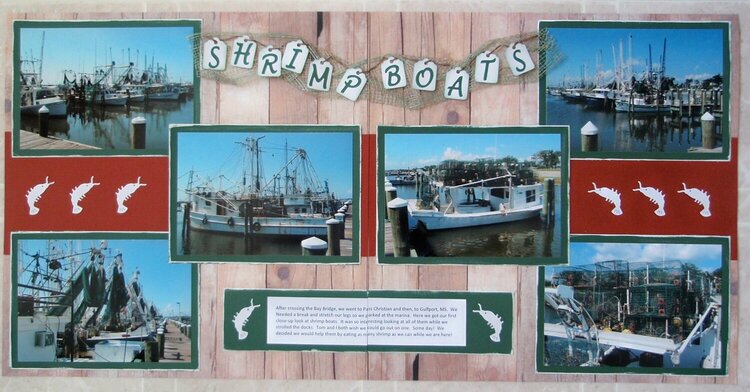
<point>407,151</point>
<point>330,153</point>
<point>705,256</point>
<point>691,53</point>
<point>163,284</point>
<point>80,49</point>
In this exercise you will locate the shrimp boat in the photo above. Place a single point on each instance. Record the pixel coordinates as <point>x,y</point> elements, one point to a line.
<point>292,203</point>
<point>476,203</point>
<point>76,305</point>
<point>34,95</point>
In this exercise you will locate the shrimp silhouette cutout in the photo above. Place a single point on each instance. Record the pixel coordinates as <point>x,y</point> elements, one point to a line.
<point>240,319</point>
<point>35,193</point>
<point>612,196</point>
<point>655,196</point>
<point>493,320</point>
<point>125,192</point>
<point>79,192</point>
<point>699,196</point>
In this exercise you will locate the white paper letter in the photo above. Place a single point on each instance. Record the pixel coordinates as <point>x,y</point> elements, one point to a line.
<point>456,84</point>
<point>319,76</point>
<point>487,68</point>
<point>214,54</point>
<point>393,73</point>
<point>243,52</point>
<point>352,84</point>
<point>295,56</point>
<point>519,59</point>
<point>425,75</point>
<point>269,62</point>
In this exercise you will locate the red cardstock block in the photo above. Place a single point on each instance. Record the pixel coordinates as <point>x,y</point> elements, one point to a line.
<point>147,207</point>
<point>591,214</point>
<point>369,207</point>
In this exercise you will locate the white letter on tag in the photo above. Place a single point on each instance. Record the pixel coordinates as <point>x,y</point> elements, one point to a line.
<point>456,84</point>
<point>243,52</point>
<point>393,73</point>
<point>519,59</point>
<point>425,75</point>
<point>295,56</point>
<point>269,62</point>
<point>487,68</point>
<point>352,84</point>
<point>215,54</point>
<point>319,76</point>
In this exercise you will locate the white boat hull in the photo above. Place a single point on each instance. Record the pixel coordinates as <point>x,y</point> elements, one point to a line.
<point>164,96</point>
<point>437,220</point>
<point>261,225</point>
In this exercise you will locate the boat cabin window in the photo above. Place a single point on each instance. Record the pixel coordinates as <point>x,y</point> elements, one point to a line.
<point>41,94</point>
<point>499,192</point>
<point>208,203</point>
<point>531,196</point>
<point>44,338</point>
<point>296,210</point>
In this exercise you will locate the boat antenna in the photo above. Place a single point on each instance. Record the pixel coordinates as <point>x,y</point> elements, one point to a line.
<point>41,59</point>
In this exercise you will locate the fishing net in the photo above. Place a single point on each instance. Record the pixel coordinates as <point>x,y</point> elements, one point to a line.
<point>536,43</point>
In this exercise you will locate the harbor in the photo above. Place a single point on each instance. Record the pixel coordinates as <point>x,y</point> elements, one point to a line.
<point>97,301</point>
<point>650,310</point>
<point>267,197</point>
<point>655,95</point>
<point>488,207</point>
<point>113,98</point>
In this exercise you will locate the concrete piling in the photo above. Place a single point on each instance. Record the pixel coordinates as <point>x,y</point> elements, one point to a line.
<point>313,246</point>
<point>334,237</point>
<point>138,133</point>
<point>589,137</point>
<point>398,215</point>
<point>707,126</point>
<point>44,121</point>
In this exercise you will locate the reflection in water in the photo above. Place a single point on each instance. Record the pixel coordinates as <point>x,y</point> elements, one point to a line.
<point>212,244</point>
<point>109,127</point>
<point>623,132</point>
<point>526,238</point>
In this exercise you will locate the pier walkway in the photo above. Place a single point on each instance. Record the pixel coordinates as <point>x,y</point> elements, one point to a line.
<point>177,347</point>
<point>32,141</point>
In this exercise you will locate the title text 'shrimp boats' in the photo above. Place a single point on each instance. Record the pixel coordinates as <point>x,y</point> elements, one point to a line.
<point>483,202</point>
<point>291,202</point>
<point>76,305</point>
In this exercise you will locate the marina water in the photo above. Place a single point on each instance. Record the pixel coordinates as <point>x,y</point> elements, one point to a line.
<point>624,132</point>
<point>108,127</point>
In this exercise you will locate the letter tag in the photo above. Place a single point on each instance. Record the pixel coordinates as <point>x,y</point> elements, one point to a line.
<point>269,62</point>
<point>352,84</point>
<point>295,56</point>
<point>243,52</point>
<point>214,54</point>
<point>425,75</point>
<point>487,68</point>
<point>519,59</point>
<point>393,73</point>
<point>456,84</point>
<point>319,75</point>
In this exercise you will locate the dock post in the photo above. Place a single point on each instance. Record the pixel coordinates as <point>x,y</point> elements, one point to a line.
<point>390,194</point>
<point>707,127</point>
<point>548,208</point>
<point>248,235</point>
<point>161,340</point>
<point>398,214</point>
<point>186,229</point>
<point>589,137</point>
<point>138,133</point>
<point>341,218</point>
<point>313,246</point>
<point>703,100</point>
<point>44,121</point>
<point>334,237</point>
<point>151,352</point>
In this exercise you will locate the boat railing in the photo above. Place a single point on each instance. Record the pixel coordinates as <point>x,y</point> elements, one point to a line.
<point>699,329</point>
<point>481,182</point>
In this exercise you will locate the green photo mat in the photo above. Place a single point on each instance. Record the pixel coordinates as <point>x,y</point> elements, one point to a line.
<point>51,25</point>
<point>84,236</point>
<point>478,330</point>
<point>561,214</point>
<point>724,121</point>
<point>648,367</point>
<point>355,208</point>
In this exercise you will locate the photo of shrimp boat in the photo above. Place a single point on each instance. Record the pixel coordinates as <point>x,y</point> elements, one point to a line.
<point>640,313</point>
<point>81,301</point>
<point>477,193</point>
<point>257,193</point>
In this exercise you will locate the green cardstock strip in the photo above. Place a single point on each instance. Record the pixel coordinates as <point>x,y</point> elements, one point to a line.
<point>397,321</point>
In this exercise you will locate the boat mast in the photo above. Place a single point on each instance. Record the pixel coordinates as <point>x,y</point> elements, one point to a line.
<point>286,168</point>
<point>41,59</point>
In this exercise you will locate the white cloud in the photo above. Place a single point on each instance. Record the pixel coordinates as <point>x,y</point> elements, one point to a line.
<point>689,253</point>
<point>451,153</point>
<point>700,76</point>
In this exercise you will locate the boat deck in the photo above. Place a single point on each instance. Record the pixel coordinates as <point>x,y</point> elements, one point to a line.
<point>622,340</point>
<point>32,141</point>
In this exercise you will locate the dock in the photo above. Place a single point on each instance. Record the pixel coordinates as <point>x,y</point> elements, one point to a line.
<point>177,346</point>
<point>32,141</point>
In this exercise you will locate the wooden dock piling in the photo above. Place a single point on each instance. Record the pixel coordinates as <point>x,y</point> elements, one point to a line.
<point>248,235</point>
<point>313,246</point>
<point>341,218</point>
<point>186,228</point>
<point>398,214</point>
<point>707,126</point>
<point>548,208</point>
<point>44,121</point>
<point>589,137</point>
<point>334,232</point>
<point>138,133</point>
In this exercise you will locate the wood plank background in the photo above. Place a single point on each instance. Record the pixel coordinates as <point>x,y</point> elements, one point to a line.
<point>353,37</point>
